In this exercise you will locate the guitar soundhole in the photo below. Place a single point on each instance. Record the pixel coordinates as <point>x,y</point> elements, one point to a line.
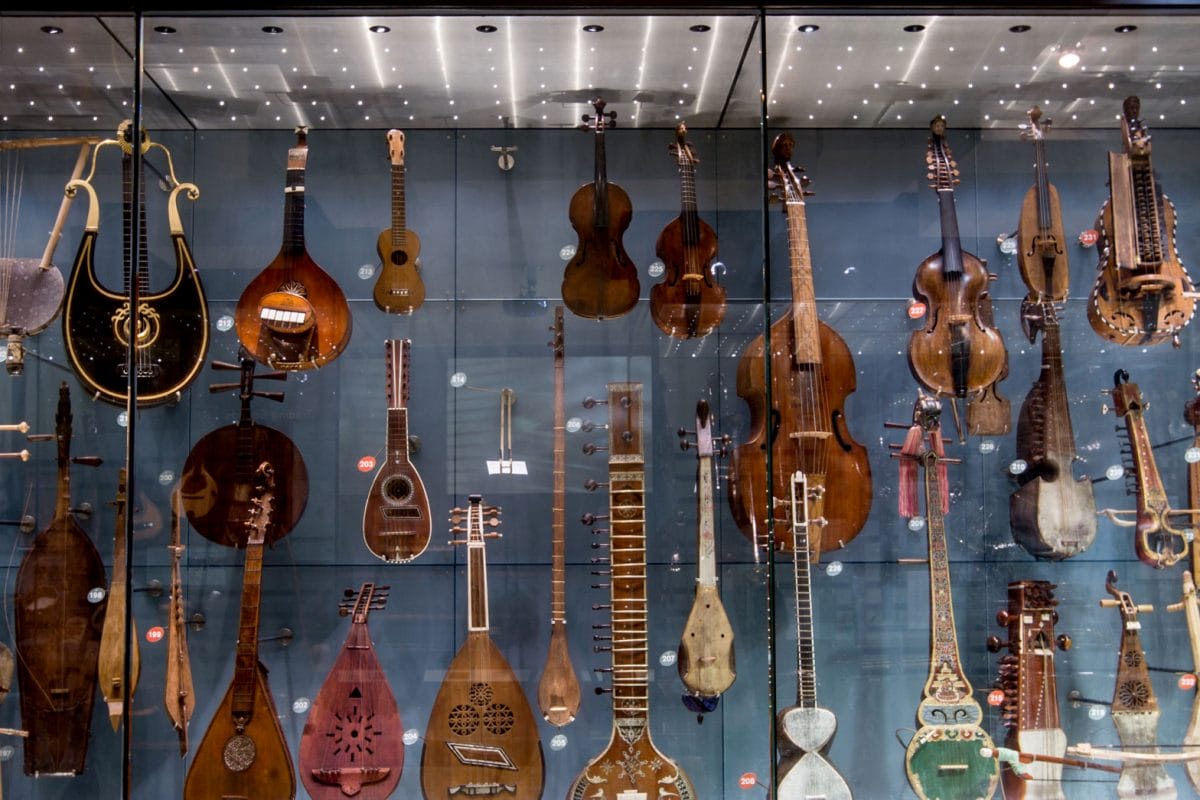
<point>397,489</point>
<point>464,720</point>
<point>399,258</point>
<point>480,694</point>
<point>239,753</point>
<point>498,719</point>
<point>1133,694</point>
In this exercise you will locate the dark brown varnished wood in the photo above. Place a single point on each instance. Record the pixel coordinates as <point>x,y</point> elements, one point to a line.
<point>399,288</point>
<point>1041,243</point>
<point>989,413</point>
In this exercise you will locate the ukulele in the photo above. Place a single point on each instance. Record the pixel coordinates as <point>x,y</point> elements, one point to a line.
<point>219,472</point>
<point>57,627</point>
<point>706,655</point>
<point>943,758</point>
<point>600,281</point>
<point>812,373</point>
<point>179,697</point>
<point>112,636</point>
<point>396,521</point>
<point>169,329</point>
<point>957,353</point>
<point>293,315</point>
<point>243,753</point>
<point>1030,708</point>
<point>558,689</point>
<point>1142,294</point>
<point>688,303</point>
<point>1189,604</point>
<point>1134,707</point>
<point>351,745</point>
<point>482,738</point>
<point>1041,254</point>
<point>399,289</point>
<point>630,767</point>
<point>806,729</point>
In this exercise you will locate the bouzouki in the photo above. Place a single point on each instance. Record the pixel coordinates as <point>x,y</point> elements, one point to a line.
<point>1190,605</point>
<point>396,520</point>
<point>630,767</point>
<point>558,689</point>
<point>243,753</point>
<point>399,289</point>
<point>112,637</point>
<point>179,696</point>
<point>482,738</point>
<point>351,745</point>
<point>293,315</point>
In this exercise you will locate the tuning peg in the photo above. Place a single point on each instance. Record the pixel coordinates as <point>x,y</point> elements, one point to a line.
<point>276,396</point>
<point>601,585</point>
<point>590,448</point>
<point>458,529</point>
<point>600,606</point>
<point>599,626</point>
<point>601,572</point>
<point>600,689</point>
<point>598,560</point>
<point>83,510</point>
<point>592,485</point>
<point>599,545</point>
<point>21,454</point>
<point>589,518</point>
<point>591,402</point>
<point>1002,617</point>
<point>1063,641</point>
<point>599,638</point>
<point>588,426</point>
<point>994,644</point>
<point>599,531</point>
<point>26,524</point>
<point>87,461</point>
<point>224,365</point>
<point>601,649</point>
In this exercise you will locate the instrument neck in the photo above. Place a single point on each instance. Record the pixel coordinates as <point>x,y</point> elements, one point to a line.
<point>119,544</point>
<point>558,578</point>
<point>1058,408</point>
<point>245,460</point>
<point>477,587</point>
<point>945,668</point>
<point>293,207</point>
<point>1149,483</point>
<point>805,322</point>
<point>627,535</point>
<point>1043,187</point>
<point>397,435</point>
<point>600,182</point>
<point>142,270</point>
<point>399,228</point>
<point>951,246</point>
<point>1194,494</point>
<point>359,637</point>
<point>806,659</point>
<point>1146,209</point>
<point>688,212</point>
<point>246,661</point>
<point>706,542</point>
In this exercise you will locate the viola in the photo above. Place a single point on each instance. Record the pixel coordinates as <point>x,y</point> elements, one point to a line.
<point>1041,243</point>
<point>399,288</point>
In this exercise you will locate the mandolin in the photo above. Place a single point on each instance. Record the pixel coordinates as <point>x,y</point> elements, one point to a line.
<point>600,281</point>
<point>688,303</point>
<point>630,767</point>
<point>219,472</point>
<point>805,730</point>
<point>1190,605</point>
<point>112,636</point>
<point>169,329</point>
<point>399,289</point>
<point>293,316</point>
<point>943,758</point>
<point>58,628</point>
<point>1041,250</point>
<point>804,425</point>
<point>243,753</point>
<point>1030,707</point>
<point>706,657</point>
<point>957,353</point>
<point>1134,707</point>
<point>558,689</point>
<point>396,521</point>
<point>482,738</point>
<point>351,745</point>
<point>179,697</point>
<point>1142,294</point>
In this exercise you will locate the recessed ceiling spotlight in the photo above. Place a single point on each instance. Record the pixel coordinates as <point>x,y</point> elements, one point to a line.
<point>164,29</point>
<point>913,28</point>
<point>1125,28</point>
<point>486,28</point>
<point>809,28</point>
<point>1069,59</point>
<point>1019,29</point>
<point>379,29</point>
<point>700,28</point>
<point>593,28</point>
<point>53,30</point>
<point>274,30</point>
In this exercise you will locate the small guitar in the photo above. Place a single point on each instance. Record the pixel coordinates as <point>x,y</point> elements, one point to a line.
<point>179,696</point>
<point>396,521</point>
<point>482,738</point>
<point>399,289</point>
<point>243,753</point>
<point>351,745</point>
<point>293,315</point>
<point>112,637</point>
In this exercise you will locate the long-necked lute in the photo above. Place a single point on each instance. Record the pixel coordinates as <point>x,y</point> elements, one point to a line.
<point>399,288</point>
<point>112,637</point>
<point>1190,605</point>
<point>179,695</point>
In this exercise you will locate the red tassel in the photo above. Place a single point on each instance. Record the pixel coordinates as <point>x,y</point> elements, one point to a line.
<point>939,449</point>
<point>908,472</point>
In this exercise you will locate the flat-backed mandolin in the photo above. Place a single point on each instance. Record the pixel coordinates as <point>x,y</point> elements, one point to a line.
<point>399,288</point>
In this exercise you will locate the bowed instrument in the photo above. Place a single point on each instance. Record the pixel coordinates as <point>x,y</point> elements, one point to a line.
<point>1041,243</point>
<point>1190,605</point>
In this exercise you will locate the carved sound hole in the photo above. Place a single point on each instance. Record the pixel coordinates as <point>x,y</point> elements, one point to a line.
<point>353,733</point>
<point>1132,658</point>
<point>239,753</point>
<point>399,258</point>
<point>397,489</point>
<point>480,694</point>
<point>498,718</point>
<point>1133,694</point>
<point>464,720</point>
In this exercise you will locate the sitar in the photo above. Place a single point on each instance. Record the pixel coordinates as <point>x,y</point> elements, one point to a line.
<point>112,636</point>
<point>630,767</point>
<point>293,315</point>
<point>1190,605</point>
<point>179,696</point>
<point>558,689</point>
<point>243,753</point>
<point>351,745</point>
<point>399,288</point>
<point>481,738</point>
<point>396,519</point>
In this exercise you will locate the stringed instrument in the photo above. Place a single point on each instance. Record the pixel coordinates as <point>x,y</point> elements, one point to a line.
<point>293,315</point>
<point>1052,513</point>
<point>688,303</point>
<point>812,373</point>
<point>351,745</point>
<point>112,636</point>
<point>957,353</point>
<point>1030,707</point>
<point>600,281</point>
<point>1189,604</point>
<point>989,413</point>
<point>630,767</point>
<point>1134,707</point>
<point>558,689</point>
<point>399,288</point>
<point>58,628</point>
<point>243,753</point>
<point>805,730</point>
<point>1142,295</point>
<point>1041,243</point>
<point>481,738</point>
<point>219,472</point>
<point>169,329</point>
<point>396,519</point>
<point>706,660</point>
<point>943,758</point>
<point>179,696</point>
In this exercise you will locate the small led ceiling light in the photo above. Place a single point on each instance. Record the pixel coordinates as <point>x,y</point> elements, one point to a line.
<point>700,28</point>
<point>274,30</point>
<point>913,28</point>
<point>1019,29</point>
<point>1125,28</point>
<point>809,28</point>
<point>593,28</point>
<point>53,30</point>
<point>1069,59</point>
<point>379,29</point>
<point>164,29</point>
<point>486,28</point>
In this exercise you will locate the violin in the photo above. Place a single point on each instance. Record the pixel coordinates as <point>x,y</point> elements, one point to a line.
<point>600,281</point>
<point>688,303</point>
<point>1142,294</point>
<point>1041,255</point>
<point>957,353</point>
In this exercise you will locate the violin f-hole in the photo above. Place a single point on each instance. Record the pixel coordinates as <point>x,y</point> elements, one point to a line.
<point>843,441</point>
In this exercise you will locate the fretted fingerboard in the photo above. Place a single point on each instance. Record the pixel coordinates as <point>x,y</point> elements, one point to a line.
<point>246,661</point>
<point>947,682</point>
<point>399,226</point>
<point>628,553</point>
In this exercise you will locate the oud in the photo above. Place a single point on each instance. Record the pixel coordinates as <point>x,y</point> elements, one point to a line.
<point>396,521</point>
<point>112,637</point>
<point>351,745</point>
<point>179,696</point>
<point>399,288</point>
<point>482,738</point>
<point>804,425</point>
<point>293,315</point>
<point>1142,294</point>
<point>630,767</point>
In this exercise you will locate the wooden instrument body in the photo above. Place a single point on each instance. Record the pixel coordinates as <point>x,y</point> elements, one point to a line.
<point>687,307</point>
<point>112,638</point>
<point>179,694</point>
<point>558,691</point>
<point>989,413</point>
<point>1041,254</point>
<point>631,766</point>
<point>706,660</point>
<point>399,288</point>
<point>600,281</point>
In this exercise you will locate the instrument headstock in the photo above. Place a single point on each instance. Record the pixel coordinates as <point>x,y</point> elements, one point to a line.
<point>600,120</point>
<point>927,412</point>
<point>1129,609</point>
<point>395,140</point>
<point>1038,125</point>
<point>625,422</point>
<point>1126,396</point>
<point>359,604</point>
<point>787,183</point>
<point>478,517</point>
<point>261,504</point>
<point>125,138</point>
<point>1133,130</point>
<point>557,344</point>
<point>685,155</point>
<point>62,425</point>
<point>301,136</point>
<point>942,169</point>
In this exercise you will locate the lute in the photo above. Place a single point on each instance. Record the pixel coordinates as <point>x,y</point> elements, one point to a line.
<point>112,637</point>
<point>179,696</point>
<point>1190,605</point>
<point>399,288</point>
